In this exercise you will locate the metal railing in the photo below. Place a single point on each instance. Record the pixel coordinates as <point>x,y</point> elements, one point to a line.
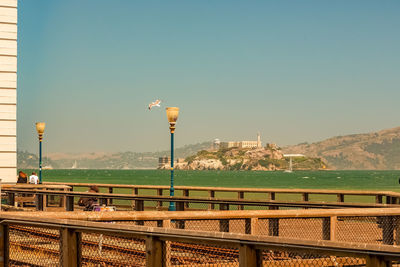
<point>50,242</point>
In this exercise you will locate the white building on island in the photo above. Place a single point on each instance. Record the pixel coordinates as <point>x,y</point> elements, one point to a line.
<point>243,144</point>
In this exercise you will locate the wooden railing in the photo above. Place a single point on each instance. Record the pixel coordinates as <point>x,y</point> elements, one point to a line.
<point>182,202</point>
<point>71,243</point>
<point>350,225</point>
<point>387,197</point>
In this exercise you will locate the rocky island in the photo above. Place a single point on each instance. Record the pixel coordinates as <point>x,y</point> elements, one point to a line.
<point>268,158</point>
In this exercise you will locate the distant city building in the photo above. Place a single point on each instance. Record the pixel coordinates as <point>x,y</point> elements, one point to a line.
<point>163,161</point>
<point>243,144</point>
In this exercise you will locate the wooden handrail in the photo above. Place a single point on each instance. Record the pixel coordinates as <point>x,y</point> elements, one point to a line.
<point>227,238</point>
<point>203,215</point>
<point>199,199</point>
<point>238,189</point>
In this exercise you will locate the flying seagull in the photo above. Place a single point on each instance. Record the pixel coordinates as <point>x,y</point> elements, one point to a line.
<point>155,104</point>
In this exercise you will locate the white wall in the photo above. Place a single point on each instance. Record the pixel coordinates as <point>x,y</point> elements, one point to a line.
<point>8,91</point>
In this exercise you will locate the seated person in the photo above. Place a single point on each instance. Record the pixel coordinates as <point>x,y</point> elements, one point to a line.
<point>89,202</point>
<point>33,179</point>
<point>22,178</point>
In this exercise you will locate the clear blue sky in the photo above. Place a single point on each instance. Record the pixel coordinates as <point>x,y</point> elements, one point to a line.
<point>294,70</point>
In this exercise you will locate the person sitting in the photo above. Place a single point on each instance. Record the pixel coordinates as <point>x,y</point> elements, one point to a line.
<point>89,202</point>
<point>22,178</point>
<point>33,179</point>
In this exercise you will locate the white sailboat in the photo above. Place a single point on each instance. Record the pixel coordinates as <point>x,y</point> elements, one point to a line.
<point>290,165</point>
<point>75,165</point>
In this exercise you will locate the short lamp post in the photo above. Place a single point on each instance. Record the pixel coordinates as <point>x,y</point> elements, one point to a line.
<point>172,116</point>
<point>40,129</point>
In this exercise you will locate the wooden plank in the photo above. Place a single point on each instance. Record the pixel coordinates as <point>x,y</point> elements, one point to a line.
<point>376,261</point>
<point>333,226</point>
<point>8,128</point>
<point>8,144</point>
<point>9,98</point>
<point>4,245</point>
<point>8,111</point>
<point>248,256</point>
<point>8,159</point>
<point>211,194</point>
<point>154,251</point>
<point>70,247</point>
<point>248,190</point>
<point>9,3</point>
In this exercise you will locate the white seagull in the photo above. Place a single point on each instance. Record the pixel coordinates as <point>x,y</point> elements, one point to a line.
<point>155,104</point>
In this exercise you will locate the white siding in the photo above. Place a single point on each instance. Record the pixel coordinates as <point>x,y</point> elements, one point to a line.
<point>8,90</point>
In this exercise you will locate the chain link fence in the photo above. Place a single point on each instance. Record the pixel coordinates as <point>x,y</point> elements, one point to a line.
<point>43,246</point>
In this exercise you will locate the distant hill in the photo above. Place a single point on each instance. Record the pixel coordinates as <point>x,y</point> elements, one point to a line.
<point>373,151</point>
<point>121,160</point>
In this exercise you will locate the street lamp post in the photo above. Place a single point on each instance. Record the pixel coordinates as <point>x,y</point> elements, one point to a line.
<point>172,116</point>
<point>40,129</point>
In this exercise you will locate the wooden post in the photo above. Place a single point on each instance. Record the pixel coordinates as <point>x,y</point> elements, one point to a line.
<point>4,245</point>
<point>103,201</point>
<point>159,203</point>
<point>154,253</point>
<point>305,197</point>
<point>133,201</point>
<point>376,261</point>
<point>248,256</point>
<point>186,194</point>
<point>70,203</point>
<point>70,247</point>
<point>180,205</point>
<point>240,197</point>
<point>166,223</point>
<point>251,226</point>
<point>139,205</point>
<point>211,194</point>
<point>378,199</point>
<point>39,202</point>
<point>340,198</point>
<point>333,225</point>
<point>223,223</point>
<point>271,196</point>
<point>11,198</point>
<point>110,200</point>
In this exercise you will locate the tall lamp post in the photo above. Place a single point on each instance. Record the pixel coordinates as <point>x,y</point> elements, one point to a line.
<point>40,129</point>
<point>172,116</point>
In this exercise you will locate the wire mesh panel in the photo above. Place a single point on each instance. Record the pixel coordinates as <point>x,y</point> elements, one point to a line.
<point>33,246</point>
<point>111,250</point>
<point>300,228</point>
<point>284,258</point>
<point>362,229</point>
<point>188,254</point>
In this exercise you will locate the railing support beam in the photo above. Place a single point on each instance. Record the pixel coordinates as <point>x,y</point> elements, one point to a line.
<point>4,245</point>
<point>70,247</point>
<point>248,256</point>
<point>154,254</point>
